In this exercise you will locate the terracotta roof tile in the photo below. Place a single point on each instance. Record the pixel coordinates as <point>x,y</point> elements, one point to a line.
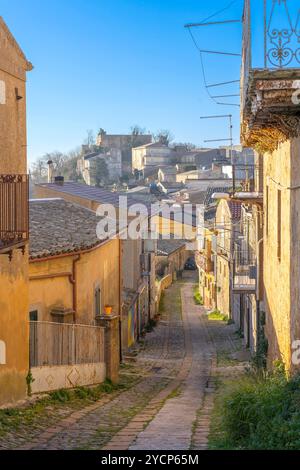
<point>58,227</point>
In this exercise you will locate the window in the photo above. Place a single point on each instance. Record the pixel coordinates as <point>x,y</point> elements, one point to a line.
<point>33,316</point>
<point>279,224</point>
<point>97,301</point>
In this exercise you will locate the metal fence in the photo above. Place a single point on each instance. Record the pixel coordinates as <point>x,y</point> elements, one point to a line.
<point>13,209</point>
<point>57,344</point>
<point>244,269</point>
<point>271,35</point>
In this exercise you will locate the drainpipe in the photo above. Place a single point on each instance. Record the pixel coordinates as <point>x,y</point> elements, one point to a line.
<point>73,280</point>
<point>120,299</point>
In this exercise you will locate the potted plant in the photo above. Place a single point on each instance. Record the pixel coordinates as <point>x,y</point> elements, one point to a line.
<point>107,309</point>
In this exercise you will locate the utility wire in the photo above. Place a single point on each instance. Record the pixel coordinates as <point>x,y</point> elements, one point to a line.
<point>201,53</point>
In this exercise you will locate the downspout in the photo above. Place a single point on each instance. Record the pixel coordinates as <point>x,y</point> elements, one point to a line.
<point>73,280</point>
<point>120,299</point>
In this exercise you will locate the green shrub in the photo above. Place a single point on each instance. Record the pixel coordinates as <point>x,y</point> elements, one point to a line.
<point>261,413</point>
<point>60,395</point>
<point>197,296</point>
<point>217,315</point>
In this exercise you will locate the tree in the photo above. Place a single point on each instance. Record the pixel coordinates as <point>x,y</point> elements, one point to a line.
<point>137,130</point>
<point>163,136</point>
<point>39,170</point>
<point>90,138</point>
<point>188,145</point>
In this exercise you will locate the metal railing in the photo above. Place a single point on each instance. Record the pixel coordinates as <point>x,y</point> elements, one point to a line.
<point>273,28</point>
<point>251,177</point>
<point>57,344</point>
<point>244,269</point>
<point>281,33</point>
<point>14,223</point>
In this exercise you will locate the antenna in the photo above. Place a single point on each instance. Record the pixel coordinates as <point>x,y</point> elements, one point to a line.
<point>229,117</point>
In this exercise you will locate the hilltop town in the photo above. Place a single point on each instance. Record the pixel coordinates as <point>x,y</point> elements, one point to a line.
<point>144,281</point>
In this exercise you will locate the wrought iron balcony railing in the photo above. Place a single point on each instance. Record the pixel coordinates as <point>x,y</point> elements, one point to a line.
<point>271,34</point>
<point>250,178</point>
<point>14,223</point>
<point>244,270</point>
<point>271,50</point>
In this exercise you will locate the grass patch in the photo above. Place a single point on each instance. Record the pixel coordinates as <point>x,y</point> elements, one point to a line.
<point>224,358</point>
<point>45,410</point>
<point>197,296</point>
<point>257,412</point>
<point>216,315</point>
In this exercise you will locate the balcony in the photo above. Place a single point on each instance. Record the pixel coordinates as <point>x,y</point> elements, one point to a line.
<point>244,271</point>
<point>251,186</point>
<point>14,224</point>
<point>270,104</point>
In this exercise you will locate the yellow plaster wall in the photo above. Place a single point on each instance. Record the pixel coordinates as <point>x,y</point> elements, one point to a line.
<point>97,267</point>
<point>277,273</point>
<point>14,326</point>
<point>13,274</point>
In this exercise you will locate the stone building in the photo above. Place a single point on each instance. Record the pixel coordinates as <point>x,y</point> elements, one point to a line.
<point>14,330</point>
<point>101,166</point>
<point>206,261</point>
<point>74,276</point>
<point>137,291</point>
<point>228,216</point>
<point>171,256</point>
<point>270,117</point>
<point>123,142</point>
<point>150,156</point>
<point>265,266</point>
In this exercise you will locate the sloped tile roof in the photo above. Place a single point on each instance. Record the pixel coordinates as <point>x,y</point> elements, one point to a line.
<point>166,247</point>
<point>58,227</point>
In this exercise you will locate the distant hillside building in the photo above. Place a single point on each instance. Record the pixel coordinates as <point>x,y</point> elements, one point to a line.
<point>151,155</point>
<point>89,163</point>
<point>124,143</point>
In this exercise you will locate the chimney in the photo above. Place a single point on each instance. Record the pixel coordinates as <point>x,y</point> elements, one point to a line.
<point>50,171</point>
<point>59,180</point>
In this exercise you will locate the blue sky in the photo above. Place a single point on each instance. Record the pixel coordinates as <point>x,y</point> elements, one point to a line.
<point>117,63</point>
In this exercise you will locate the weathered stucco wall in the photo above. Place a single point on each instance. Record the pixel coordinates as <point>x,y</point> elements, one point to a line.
<point>223,286</point>
<point>279,274</point>
<point>49,378</point>
<point>14,331</point>
<point>100,267</point>
<point>14,326</point>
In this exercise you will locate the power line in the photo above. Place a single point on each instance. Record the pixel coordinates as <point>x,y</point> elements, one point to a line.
<point>205,23</point>
<point>192,25</point>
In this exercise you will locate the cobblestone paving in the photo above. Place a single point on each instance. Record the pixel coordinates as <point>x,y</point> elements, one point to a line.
<point>172,427</point>
<point>169,407</point>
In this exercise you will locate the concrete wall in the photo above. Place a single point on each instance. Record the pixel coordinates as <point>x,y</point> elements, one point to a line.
<point>48,378</point>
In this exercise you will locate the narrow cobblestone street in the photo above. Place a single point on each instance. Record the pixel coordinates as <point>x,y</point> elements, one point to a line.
<point>169,405</point>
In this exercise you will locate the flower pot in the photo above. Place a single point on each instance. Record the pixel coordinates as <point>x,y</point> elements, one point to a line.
<point>108,309</point>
